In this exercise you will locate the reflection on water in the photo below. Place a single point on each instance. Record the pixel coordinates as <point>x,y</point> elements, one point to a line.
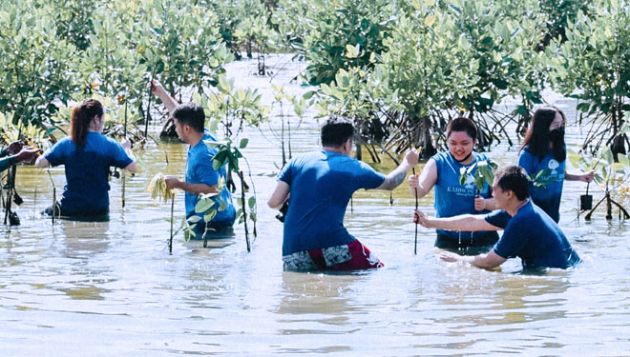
<point>102,289</point>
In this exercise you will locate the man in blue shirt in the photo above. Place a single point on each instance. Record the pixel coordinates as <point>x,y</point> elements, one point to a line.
<point>318,187</point>
<point>529,233</point>
<point>201,177</point>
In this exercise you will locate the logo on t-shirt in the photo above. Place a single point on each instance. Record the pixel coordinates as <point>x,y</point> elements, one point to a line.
<point>553,166</point>
<point>470,182</point>
<point>467,189</point>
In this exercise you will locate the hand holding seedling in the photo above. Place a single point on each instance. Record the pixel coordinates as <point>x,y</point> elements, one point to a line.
<point>480,203</point>
<point>14,147</point>
<point>26,154</point>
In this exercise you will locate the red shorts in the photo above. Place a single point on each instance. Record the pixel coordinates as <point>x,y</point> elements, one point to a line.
<point>352,256</point>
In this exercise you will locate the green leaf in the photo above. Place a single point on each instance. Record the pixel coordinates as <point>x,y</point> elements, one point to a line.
<point>608,156</point>
<point>204,205</point>
<point>193,219</point>
<point>574,158</point>
<point>598,179</point>
<point>352,51</point>
<point>210,216</point>
<point>233,163</point>
<point>251,202</point>
<point>308,95</point>
<point>243,143</point>
<point>462,175</point>
<point>219,159</point>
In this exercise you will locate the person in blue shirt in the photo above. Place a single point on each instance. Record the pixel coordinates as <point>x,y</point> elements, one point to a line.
<point>87,156</point>
<point>318,187</point>
<point>442,172</point>
<point>528,232</point>
<point>14,153</point>
<point>544,149</point>
<point>201,177</point>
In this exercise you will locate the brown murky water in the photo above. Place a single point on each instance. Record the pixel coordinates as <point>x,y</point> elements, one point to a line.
<point>96,289</point>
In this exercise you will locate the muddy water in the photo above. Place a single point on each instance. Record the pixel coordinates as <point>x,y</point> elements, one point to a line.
<point>96,289</point>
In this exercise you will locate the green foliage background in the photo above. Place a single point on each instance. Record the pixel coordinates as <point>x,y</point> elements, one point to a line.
<point>400,69</point>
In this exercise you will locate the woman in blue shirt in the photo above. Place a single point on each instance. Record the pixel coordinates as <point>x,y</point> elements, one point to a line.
<point>442,171</point>
<point>87,155</point>
<point>544,149</point>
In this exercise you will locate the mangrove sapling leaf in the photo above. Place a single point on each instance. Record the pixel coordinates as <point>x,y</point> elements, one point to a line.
<point>542,178</point>
<point>482,173</point>
<point>219,158</point>
<point>209,216</point>
<point>189,233</point>
<point>233,162</point>
<point>204,205</point>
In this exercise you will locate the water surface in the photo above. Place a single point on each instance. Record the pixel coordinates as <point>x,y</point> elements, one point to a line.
<point>96,289</point>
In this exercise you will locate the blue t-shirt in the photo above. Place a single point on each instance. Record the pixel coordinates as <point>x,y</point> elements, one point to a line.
<point>321,184</point>
<point>547,197</point>
<point>452,199</point>
<point>87,172</point>
<point>534,237</point>
<point>199,170</point>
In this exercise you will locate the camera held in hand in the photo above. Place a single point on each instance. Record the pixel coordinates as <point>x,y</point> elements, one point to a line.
<point>283,212</point>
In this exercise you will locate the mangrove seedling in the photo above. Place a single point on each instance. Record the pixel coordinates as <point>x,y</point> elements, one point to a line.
<point>482,172</point>
<point>611,176</point>
<point>230,155</point>
<point>159,191</point>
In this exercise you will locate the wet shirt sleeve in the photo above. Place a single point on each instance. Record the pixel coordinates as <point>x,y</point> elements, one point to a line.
<point>118,156</point>
<point>368,178</point>
<point>285,174</point>
<point>56,155</point>
<point>498,218</point>
<point>527,161</point>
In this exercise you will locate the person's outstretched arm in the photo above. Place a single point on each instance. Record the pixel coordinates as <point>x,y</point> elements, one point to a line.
<point>422,184</point>
<point>488,204</point>
<point>169,102</point>
<point>25,154</point>
<point>462,222</point>
<point>133,166</point>
<point>42,162</point>
<point>584,177</point>
<point>194,188</point>
<point>489,260</point>
<point>279,195</point>
<point>397,176</point>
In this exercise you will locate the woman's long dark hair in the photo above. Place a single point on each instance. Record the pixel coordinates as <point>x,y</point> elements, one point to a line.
<point>538,136</point>
<point>80,120</point>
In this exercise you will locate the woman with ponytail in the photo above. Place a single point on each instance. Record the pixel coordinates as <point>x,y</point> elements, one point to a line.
<point>87,155</point>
